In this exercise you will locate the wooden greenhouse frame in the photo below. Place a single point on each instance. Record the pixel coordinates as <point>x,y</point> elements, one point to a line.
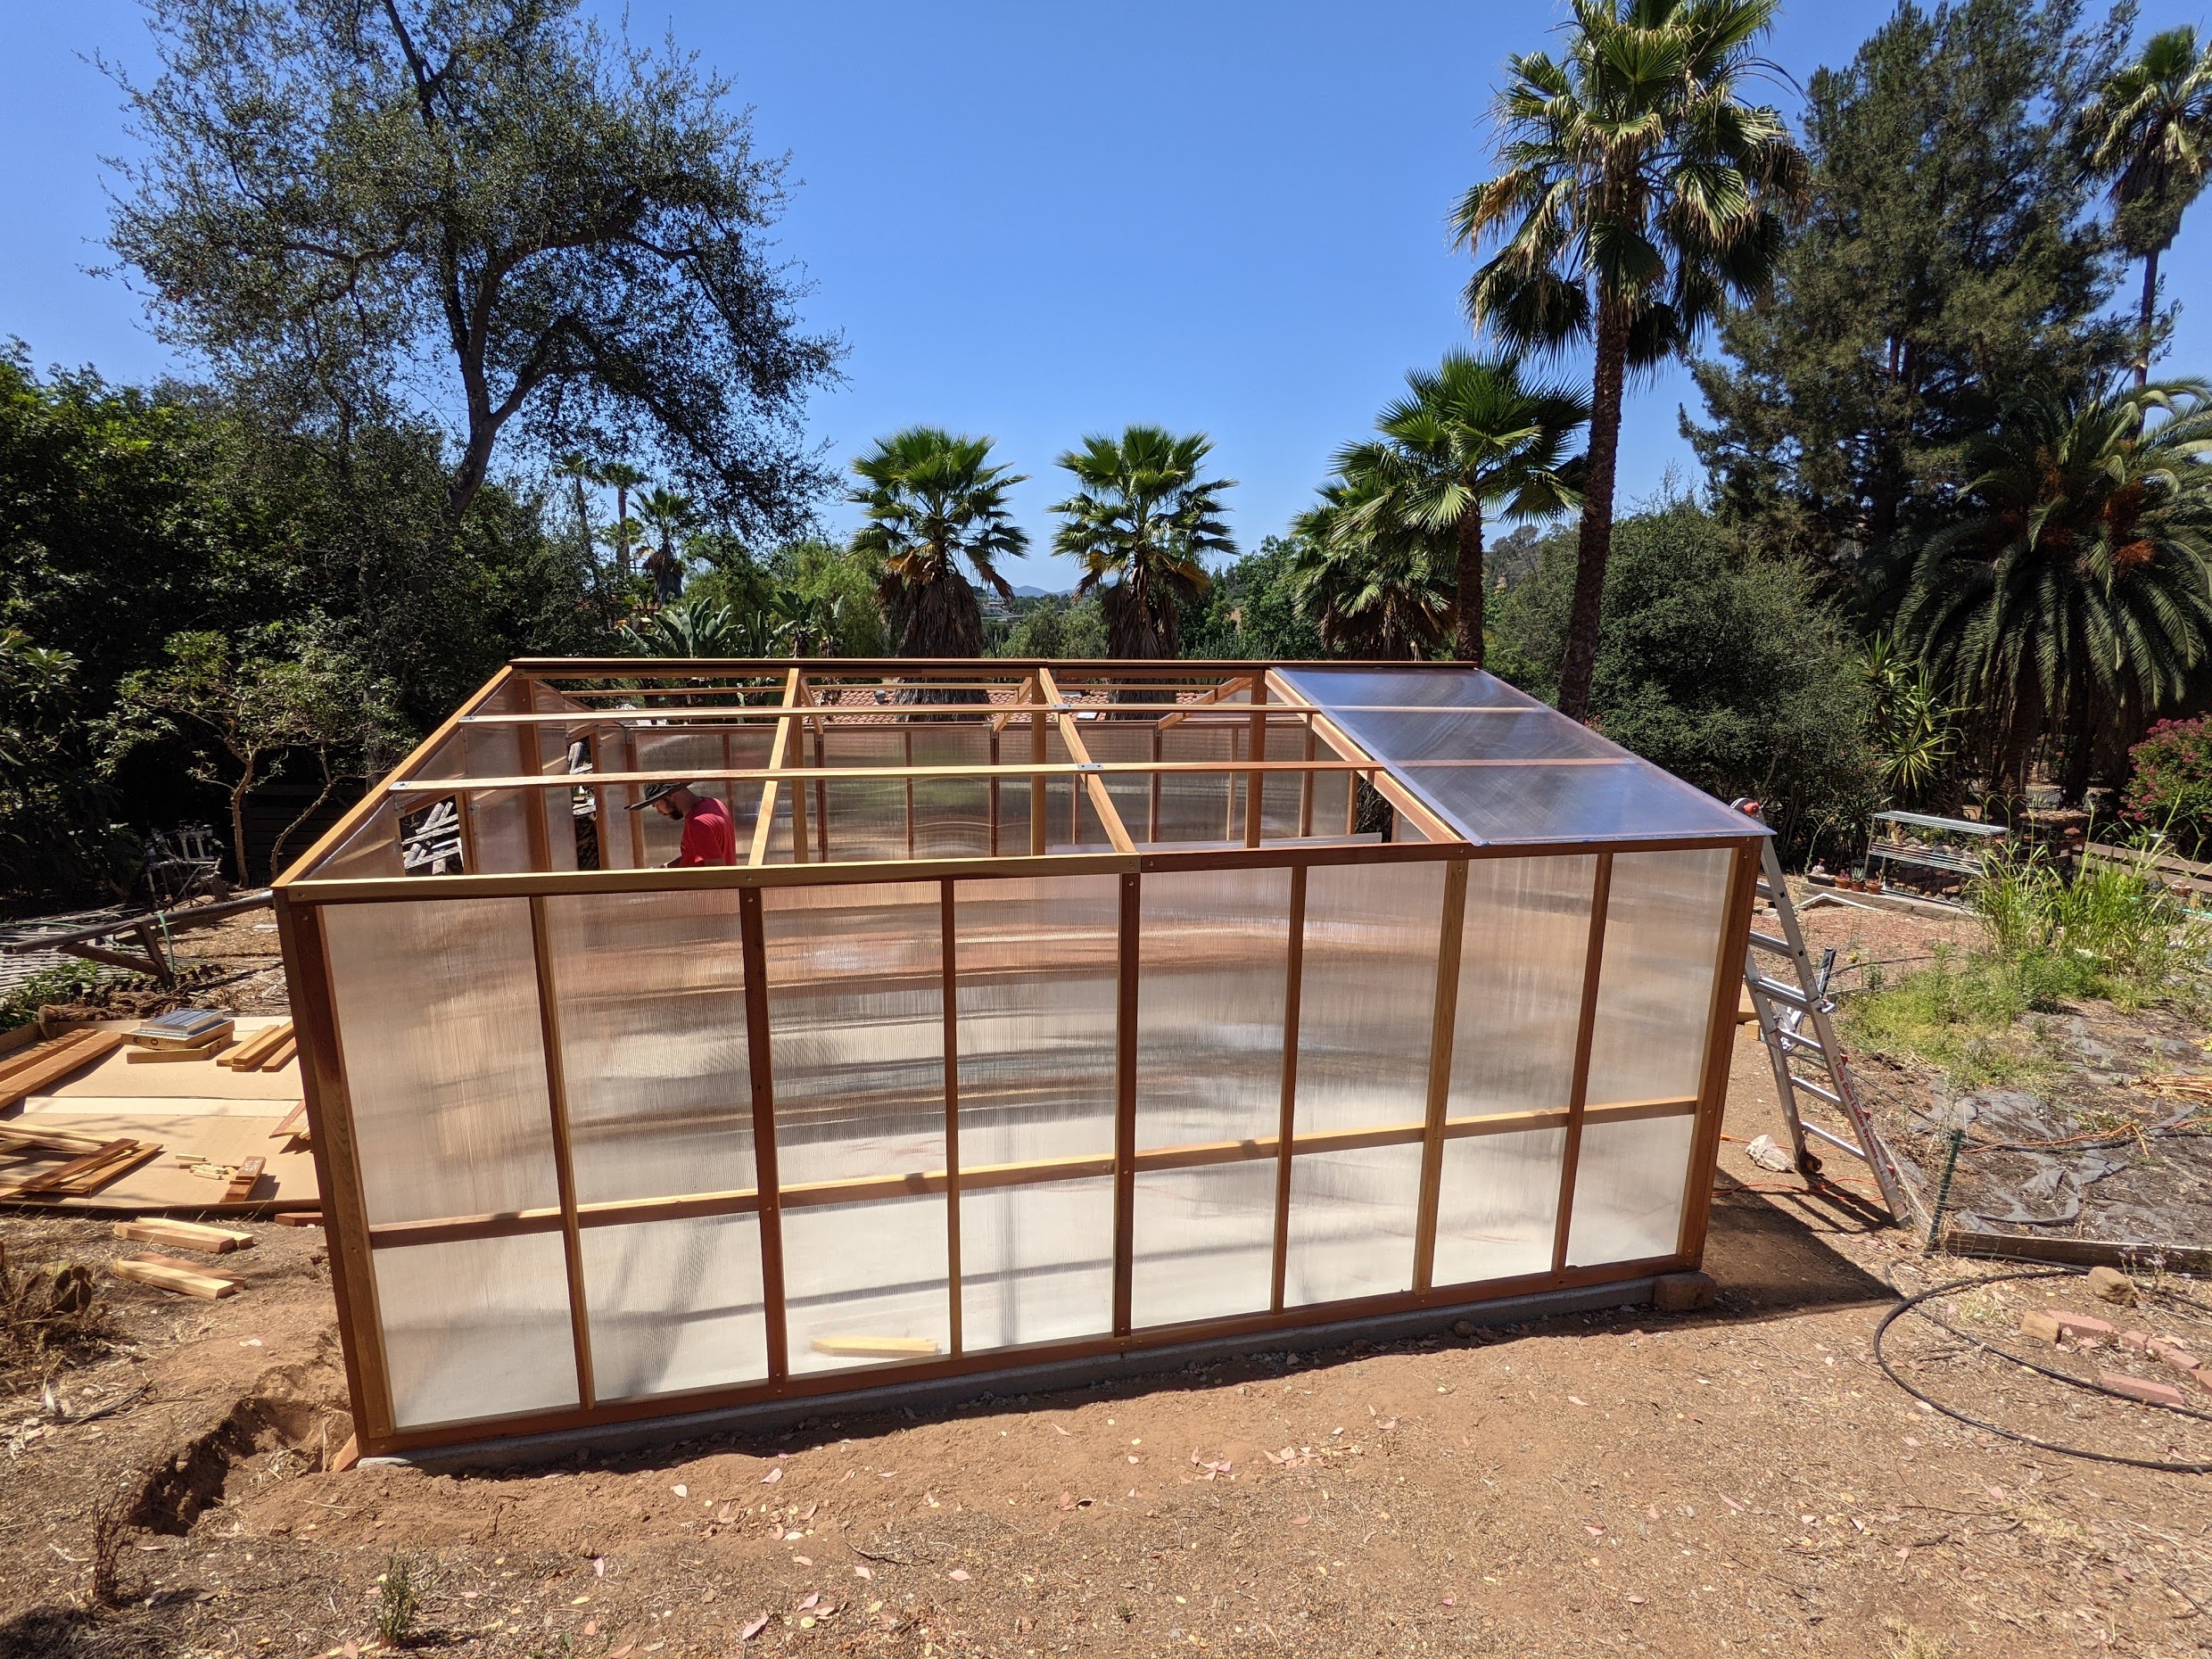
<point>1117,905</point>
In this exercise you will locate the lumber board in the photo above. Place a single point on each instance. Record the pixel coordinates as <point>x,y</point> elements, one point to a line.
<point>249,1053</point>
<point>298,1217</point>
<point>185,1235</point>
<point>242,1184</point>
<point>44,1074</point>
<point>876,1347</point>
<point>2129,1257</point>
<point>279,1057</point>
<point>43,1057</point>
<point>186,1281</point>
<point>16,1137</point>
<point>294,1122</point>
<point>87,1173</point>
<point>213,1050</point>
<point>183,1265</point>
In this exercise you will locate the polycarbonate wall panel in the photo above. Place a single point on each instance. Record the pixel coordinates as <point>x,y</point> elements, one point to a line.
<point>675,1305</point>
<point>952,815</point>
<point>863,1271</point>
<point>865,818</point>
<point>1213,957</point>
<point>1654,991</point>
<point>1523,948</point>
<point>371,850</point>
<point>856,1028</point>
<point>1194,805</point>
<point>476,1328</point>
<point>1628,1189</point>
<point>1204,1244</point>
<point>1036,961</point>
<point>1036,1263</point>
<point>1352,1216</point>
<point>1620,800</point>
<point>437,1014</point>
<point>499,825</point>
<point>1498,1206</point>
<point>1367,1001</point>
<point>651,988</point>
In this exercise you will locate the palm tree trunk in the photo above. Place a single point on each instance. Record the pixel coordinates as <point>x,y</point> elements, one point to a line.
<point>2150,315</point>
<point>1468,647</point>
<point>2079,743</point>
<point>1596,545</point>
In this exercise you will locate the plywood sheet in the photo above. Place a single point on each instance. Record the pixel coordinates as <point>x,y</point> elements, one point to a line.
<point>196,1110</point>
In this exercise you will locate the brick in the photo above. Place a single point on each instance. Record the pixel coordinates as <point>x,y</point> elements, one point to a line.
<point>1682,1293</point>
<point>2140,1341</point>
<point>2109,1285</point>
<point>2174,1355</point>
<point>2137,1388</point>
<point>2081,1326</point>
<point>2042,1326</point>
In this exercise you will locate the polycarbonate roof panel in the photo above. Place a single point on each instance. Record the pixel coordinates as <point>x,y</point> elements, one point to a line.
<point>1499,766</point>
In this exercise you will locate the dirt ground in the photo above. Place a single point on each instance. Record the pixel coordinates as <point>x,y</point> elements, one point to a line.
<point>1742,1479</point>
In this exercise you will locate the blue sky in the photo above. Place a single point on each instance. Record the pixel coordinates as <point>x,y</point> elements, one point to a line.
<point>1037,221</point>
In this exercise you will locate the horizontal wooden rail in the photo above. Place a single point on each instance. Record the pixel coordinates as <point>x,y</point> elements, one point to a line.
<point>979,1177</point>
<point>982,771</point>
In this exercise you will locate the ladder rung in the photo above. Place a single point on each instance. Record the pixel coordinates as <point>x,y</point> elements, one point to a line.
<point>1838,1142</point>
<point>1795,1042</point>
<point>1815,1090</point>
<point>1763,890</point>
<point>1761,986</point>
<point>1780,947</point>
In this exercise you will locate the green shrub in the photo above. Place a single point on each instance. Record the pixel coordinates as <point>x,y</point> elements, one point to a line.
<point>60,984</point>
<point>2170,792</point>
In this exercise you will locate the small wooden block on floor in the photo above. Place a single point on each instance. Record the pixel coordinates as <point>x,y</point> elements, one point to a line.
<point>297,1218</point>
<point>242,1184</point>
<point>205,1269</point>
<point>876,1347</point>
<point>185,1235</point>
<point>185,1281</point>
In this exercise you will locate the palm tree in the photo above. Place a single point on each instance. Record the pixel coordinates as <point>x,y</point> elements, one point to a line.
<point>933,501</point>
<point>2150,133</point>
<point>2077,586</point>
<point>1469,433</point>
<point>669,513</point>
<point>1639,193</point>
<point>622,535</point>
<point>578,469</point>
<point>1374,585</point>
<point>1140,523</point>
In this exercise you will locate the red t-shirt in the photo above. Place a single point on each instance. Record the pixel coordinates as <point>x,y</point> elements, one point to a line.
<point>709,838</point>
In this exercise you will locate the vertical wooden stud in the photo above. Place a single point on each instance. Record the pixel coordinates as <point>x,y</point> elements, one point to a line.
<point>1287,1118</point>
<point>563,1160</point>
<point>951,993</point>
<point>1720,1050</point>
<point>1126,968</point>
<point>337,1166</point>
<point>761,1063</point>
<point>1256,783</point>
<point>1442,1033</point>
<point>1577,1093</point>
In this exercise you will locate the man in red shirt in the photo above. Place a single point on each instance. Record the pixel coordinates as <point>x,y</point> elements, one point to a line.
<point>709,838</point>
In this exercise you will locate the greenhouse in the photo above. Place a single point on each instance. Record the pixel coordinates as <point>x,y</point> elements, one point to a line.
<point>1047,1010</point>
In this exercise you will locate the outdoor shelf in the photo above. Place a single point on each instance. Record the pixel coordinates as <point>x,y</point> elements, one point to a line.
<point>1050,1011</point>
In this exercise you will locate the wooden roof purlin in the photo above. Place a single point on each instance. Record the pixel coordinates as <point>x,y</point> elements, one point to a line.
<point>1462,757</point>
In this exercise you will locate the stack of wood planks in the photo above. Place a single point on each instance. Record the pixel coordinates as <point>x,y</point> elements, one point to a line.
<point>188,1034</point>
<point>27,1072</point>
<point>187,1278</point>
<point>269,1049</point>
<point>81,1164</point>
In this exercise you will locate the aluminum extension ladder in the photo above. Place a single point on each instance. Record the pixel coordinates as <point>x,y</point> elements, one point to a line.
<point>1786,991</point>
